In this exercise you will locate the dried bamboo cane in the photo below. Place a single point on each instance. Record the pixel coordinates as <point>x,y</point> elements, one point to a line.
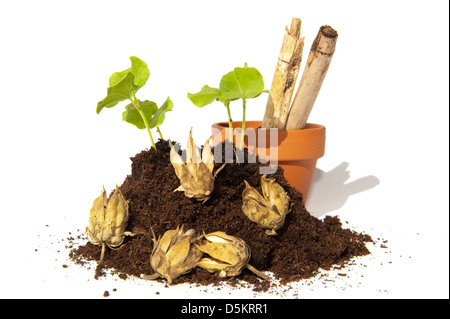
<point>285,76</point>
<point>316,68</point>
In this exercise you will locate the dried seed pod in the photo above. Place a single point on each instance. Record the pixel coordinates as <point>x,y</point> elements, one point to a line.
<point>196,177</point>
<point>228,255</point>
<point>268,211</point>
<point>108,220</point>
<point>174,254</point>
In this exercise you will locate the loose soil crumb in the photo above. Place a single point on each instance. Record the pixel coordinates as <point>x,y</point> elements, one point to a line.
<point>303,246</point>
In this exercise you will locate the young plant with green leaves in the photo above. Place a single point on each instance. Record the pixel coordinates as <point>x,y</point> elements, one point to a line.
<point>241,83</point>
<point>123,86</point>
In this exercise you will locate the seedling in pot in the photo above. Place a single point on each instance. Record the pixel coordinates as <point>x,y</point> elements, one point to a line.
<point>241,83</point>
<point>123,86</point>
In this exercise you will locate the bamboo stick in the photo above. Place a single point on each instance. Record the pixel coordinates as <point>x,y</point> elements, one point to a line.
<point>284,78</point>
<point>319,59</point>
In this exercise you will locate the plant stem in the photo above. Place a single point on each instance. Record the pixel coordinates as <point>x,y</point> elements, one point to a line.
<point>230,122</point>
<point>241,145</point>
<point>257,272</point>
<point>102,254</point>
<point>137,105</point>
<point>159,131</point>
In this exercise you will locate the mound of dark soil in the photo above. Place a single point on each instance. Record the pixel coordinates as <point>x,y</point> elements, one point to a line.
<point>303,246</point>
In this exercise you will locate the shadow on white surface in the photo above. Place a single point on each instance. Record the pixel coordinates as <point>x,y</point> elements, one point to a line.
<point>329,190</point>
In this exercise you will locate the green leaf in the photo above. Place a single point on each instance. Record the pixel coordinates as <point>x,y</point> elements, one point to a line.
<point>117,76</point>
<point>133,116</point>
<point>241,83</point>
<point>140,71</point>
<point>122,90</point>
<point>206,96</point>
<point>159,116</point>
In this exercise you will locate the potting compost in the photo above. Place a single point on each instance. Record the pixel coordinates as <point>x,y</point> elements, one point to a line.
<point>301,247</point>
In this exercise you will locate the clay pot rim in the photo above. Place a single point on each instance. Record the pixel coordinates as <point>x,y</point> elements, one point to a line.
<point>312,136</point>
<point>257,125</point>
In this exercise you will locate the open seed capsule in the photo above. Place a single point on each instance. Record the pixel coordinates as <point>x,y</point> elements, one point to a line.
<point>196,177</point>
<point>268,211</point>
<point>108,220</point>
<point>227,255</point>
<point>174,254</point>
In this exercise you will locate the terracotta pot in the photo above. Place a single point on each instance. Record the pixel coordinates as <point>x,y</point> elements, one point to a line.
<point>296,151</point>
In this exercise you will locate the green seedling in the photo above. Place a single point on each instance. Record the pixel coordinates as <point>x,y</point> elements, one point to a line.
<point>241,83</point>
<point>123,86</point>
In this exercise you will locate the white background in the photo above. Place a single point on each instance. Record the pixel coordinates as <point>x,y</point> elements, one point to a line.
<point>384,102</point>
